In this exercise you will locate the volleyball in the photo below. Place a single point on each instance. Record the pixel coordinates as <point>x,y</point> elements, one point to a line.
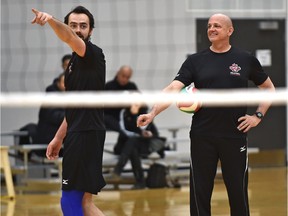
<point>189,106</point>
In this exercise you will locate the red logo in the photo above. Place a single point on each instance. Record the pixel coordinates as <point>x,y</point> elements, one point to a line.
<point>235,69</point>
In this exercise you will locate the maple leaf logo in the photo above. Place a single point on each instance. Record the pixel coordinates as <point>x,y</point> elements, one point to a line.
<point>235,68</point>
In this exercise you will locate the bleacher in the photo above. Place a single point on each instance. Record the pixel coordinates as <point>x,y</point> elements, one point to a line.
<point>177,160</point>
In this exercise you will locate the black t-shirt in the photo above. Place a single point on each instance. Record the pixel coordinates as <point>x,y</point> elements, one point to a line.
<point>113,85</point>
<point>229,70</point>
<point>86,73</point>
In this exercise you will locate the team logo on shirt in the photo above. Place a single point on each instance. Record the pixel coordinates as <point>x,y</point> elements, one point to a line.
<point>235,68</point>
<point>243,148</point>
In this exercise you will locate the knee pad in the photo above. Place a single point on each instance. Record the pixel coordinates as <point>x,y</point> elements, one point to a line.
<point>71,203</point>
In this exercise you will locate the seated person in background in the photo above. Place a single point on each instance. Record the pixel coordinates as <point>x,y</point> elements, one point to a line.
<point>65,61</point>
<point>50,118</point>
<point>137,143</point>
<point>121,82</point>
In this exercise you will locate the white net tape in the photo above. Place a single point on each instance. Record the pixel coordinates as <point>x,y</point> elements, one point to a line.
<point>113,99</point>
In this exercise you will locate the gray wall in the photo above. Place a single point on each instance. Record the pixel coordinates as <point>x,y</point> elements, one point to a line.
<point>151,36</point>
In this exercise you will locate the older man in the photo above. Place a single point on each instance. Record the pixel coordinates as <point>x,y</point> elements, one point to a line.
<point>219,133</point>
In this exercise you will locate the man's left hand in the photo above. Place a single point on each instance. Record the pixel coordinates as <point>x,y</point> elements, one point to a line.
<point>247,122</point>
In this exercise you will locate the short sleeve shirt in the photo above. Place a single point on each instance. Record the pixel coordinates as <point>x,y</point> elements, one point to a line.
<point>86,73</point>
<point>229,70</point>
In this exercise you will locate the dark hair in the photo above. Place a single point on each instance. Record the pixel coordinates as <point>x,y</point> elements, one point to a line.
<point>66,57</point>
<point>81,10</point>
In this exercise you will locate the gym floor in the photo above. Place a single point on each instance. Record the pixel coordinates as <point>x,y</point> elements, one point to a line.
<point>267,193</point>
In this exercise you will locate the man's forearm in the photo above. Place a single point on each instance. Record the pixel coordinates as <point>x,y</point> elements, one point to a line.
<point>63,31</point>
<point>61,133</point>
<point>173,87</point>
<point>267,85</point>
<point>158,108</point>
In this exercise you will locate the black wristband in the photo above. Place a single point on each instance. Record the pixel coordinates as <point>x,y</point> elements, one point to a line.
<point>259,115</point>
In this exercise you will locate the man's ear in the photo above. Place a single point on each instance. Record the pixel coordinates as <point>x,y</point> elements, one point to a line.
<point>230,31</point>
<point>90,33</point>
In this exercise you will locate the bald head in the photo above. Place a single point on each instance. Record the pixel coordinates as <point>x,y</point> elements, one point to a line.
<point>219,30</point>
<point>224,19</point>
<point>124,74</point>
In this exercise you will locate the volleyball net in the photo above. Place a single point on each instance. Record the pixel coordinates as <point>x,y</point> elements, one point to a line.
<point>119,99</point>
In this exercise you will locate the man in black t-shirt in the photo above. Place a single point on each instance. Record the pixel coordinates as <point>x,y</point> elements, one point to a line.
<point>121,82</point>
<point>82,128</point>
<point>219,133</point>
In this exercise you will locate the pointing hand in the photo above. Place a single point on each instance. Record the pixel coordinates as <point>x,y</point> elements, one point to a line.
<point>40,18</point>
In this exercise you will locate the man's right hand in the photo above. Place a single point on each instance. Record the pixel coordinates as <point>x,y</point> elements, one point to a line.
<point>53,149</point>
<point>40,18</point>
<point>144,120</point>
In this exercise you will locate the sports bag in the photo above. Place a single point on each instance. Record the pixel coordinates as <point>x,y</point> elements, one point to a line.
<point>156,177</point>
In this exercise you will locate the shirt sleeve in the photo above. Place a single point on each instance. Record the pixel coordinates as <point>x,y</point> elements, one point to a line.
<point>258,76</point>
<point>185,74</point>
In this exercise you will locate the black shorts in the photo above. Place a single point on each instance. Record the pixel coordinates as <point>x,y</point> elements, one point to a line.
<point>82,161</point>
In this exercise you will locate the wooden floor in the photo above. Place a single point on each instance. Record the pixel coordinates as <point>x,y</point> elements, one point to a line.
<point>267,191</point>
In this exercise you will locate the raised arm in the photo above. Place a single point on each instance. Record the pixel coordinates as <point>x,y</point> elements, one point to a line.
<point>63,31</point>
<point>145,119</point>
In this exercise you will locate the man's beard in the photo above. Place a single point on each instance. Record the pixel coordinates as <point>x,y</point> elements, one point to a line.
<point>84,39</point>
